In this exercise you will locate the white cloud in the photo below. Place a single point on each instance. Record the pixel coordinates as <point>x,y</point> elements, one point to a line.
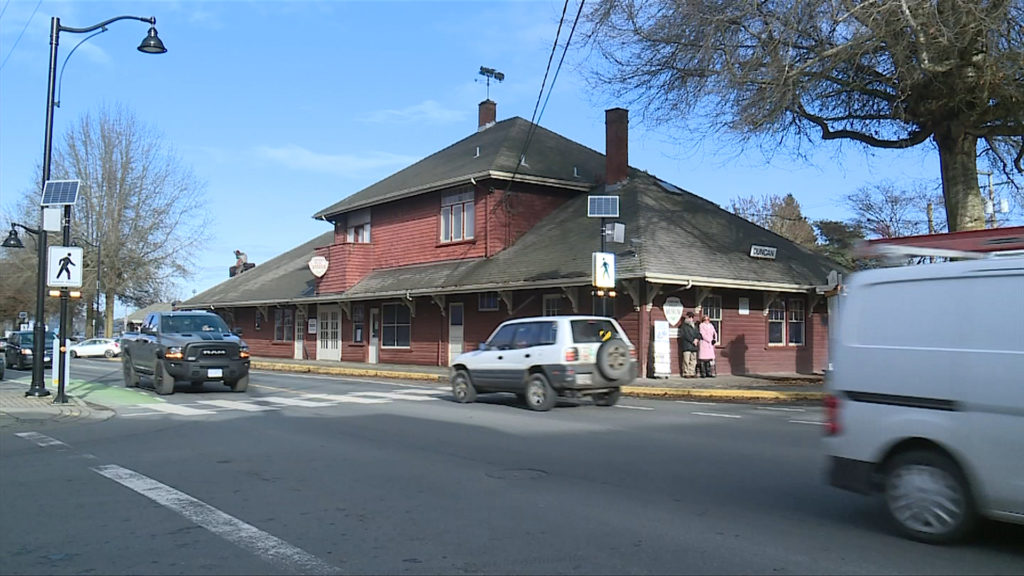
<point>299,158</point>
<point>428,111</point>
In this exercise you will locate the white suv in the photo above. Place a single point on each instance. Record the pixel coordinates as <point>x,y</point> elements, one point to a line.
<point>542,358</point>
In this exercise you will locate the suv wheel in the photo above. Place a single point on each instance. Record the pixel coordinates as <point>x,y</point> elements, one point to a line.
<point>928,498</point>
<point>163,382</point>
<point>462,388</point>
<point>613,359</point>
<point>131,378</point>
<point>539,394</point>
<point>607,398</point>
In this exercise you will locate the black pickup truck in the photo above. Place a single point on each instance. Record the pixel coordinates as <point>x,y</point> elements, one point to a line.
<point>190,346</point>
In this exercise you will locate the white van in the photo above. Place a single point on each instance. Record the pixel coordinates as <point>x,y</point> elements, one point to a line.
<point>926,393</point>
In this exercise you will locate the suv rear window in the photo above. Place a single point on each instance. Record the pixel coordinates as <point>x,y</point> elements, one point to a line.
<point>593,330</point>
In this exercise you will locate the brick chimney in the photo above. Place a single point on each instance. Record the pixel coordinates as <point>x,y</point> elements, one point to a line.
<point>616,145</point>
<point>488,113</point>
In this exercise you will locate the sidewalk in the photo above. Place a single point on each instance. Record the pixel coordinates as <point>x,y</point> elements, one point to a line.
<point>87,400</point>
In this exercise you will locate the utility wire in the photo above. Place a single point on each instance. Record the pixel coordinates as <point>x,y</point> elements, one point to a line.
<point>22,33</point>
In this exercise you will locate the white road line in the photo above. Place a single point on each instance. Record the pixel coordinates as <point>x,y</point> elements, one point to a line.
<point>349,399</point>
<point>40,439</point>
<point>697,403</point>
<point>779,409</point>
<point>815,422</point>
<point>393,396</point>
<point>236,405</point>
<point>633,407</point>
<point>293,402</point>
<point>267,546</point>
<point>178,409</point>
<point>716,414</point>
<point>426,391</point>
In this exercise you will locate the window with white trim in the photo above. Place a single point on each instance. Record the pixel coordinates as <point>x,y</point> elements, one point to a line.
<point>487,302</point>
<point>552,304</point>
<point>358,322</point>
<point>284,324</point>
<point>786,322</point>
<point>712,307</point>
<point>457,217</point>
<point>396,326</point>
<point>796,322</point>
<point>358,231</point>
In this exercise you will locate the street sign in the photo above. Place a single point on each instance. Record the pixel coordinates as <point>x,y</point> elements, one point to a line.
<point>604,269</point>
<point>64,267</point>
<point>22,315</point>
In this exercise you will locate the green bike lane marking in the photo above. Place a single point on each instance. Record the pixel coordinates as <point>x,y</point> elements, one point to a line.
<point>108,395</point>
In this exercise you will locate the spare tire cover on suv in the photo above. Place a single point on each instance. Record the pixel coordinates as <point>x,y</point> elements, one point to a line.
<point>613,359</point>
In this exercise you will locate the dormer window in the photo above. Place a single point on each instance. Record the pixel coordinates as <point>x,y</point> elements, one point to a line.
<point>358,231</point>
<point>457,217</point>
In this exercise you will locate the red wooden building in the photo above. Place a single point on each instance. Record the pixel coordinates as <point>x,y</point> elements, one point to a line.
<point>427,262</point>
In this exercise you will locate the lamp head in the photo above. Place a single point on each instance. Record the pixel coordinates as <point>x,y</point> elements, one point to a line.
<point>12,240</point>
<point>152,44</point>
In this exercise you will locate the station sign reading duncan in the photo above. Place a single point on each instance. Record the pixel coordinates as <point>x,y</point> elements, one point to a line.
<point>766,252</point>
<point>318,266</point>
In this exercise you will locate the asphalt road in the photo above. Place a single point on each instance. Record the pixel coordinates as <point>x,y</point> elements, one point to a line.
<point>308,474</point>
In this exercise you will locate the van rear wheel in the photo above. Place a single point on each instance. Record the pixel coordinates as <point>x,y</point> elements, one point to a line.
<point>928,498</point>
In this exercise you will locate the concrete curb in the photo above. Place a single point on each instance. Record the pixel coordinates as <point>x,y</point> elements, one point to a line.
<point>338,371</point>
<point>722,394</point>
<point>633,391</point>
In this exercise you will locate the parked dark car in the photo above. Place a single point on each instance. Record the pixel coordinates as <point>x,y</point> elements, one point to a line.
<point>18,352</point>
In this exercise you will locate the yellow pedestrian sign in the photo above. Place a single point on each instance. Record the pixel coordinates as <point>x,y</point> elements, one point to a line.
<point>604,270</point>
<point>64,267</point>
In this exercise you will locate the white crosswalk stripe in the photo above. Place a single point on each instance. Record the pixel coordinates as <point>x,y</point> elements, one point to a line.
<point>347,398</point>
<point>294,402</point>
<point>236,405</point>
<point>178,409</point>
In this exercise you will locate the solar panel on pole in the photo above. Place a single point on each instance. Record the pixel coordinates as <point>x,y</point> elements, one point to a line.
<point>60,193</point>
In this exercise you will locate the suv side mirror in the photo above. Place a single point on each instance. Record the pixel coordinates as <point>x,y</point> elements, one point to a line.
<point>483,346</point>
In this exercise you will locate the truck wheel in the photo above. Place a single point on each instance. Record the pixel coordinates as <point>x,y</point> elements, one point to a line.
<point>163,382</point>
<point>613,359</point>
<point>240,385</point>
<point>131,378</point>
<point>539,394</point>
<point>462,388</point>
<point>927,497</point>
<point>607,398</point>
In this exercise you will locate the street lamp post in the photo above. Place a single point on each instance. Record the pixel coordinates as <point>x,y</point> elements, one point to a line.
<point>151,44</point>
<point>38,387</point>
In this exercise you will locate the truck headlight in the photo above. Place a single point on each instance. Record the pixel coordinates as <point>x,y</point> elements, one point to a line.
<point>173,353</point>
<point>243,352</point>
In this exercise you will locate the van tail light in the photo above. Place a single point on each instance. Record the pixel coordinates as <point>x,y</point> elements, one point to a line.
<point>572,354</point>
<point>832,415</point>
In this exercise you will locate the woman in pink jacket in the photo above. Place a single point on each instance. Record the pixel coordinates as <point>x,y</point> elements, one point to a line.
<point>706,347</point>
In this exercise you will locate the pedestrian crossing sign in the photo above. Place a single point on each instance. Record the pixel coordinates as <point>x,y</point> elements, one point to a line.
<point>64,267</point>
<point>604,270</point>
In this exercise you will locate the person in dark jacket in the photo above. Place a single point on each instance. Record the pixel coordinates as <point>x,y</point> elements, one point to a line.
<point>689,335</point>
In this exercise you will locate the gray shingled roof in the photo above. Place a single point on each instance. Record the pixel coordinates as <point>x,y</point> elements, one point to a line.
<point>681,237</point>
<point>551,158</point>
<point>284,278</point>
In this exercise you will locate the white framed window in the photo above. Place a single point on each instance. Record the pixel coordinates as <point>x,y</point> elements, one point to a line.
<point>786,322</point>
<point>487,302</point>
<point>284,324</point>
<point>712,307</point>
<point>358,231</point>
<point>457,217</point>
<point>358,322</point>
<point>396,326</point>
<point>795,322</point>
<point>552,304</point>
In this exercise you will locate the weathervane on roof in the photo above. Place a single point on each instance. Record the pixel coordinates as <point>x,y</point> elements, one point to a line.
<point>491,73</point>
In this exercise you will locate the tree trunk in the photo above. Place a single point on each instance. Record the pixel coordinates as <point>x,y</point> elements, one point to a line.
<point>89,325</point>
<point>965,208</point>
<point>108,316</point>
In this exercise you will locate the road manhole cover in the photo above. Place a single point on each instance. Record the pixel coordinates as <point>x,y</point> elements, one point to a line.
<point>517,474</point>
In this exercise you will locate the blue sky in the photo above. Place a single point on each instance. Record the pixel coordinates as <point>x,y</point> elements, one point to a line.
<point>284,107</point>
